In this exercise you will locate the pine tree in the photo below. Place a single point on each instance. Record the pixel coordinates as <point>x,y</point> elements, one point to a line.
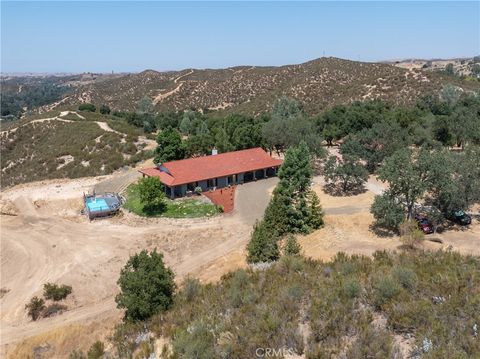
<point>263,245</point>
<point>292,247</point>
<point>315,211</point>
<point>185,124</point>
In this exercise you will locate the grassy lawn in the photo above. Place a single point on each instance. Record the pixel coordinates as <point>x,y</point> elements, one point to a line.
<point>183,208</point>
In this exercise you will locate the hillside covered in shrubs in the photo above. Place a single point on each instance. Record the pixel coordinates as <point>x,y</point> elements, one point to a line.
<point>394,305</point>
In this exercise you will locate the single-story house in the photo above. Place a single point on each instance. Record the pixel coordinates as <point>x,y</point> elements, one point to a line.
<point>214,171</point>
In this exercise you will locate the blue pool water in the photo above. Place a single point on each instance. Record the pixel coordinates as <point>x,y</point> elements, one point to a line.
<point>98,204</point>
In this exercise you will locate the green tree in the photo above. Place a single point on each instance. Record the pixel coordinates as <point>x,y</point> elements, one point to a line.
<point>152,195</point>
<point>464,124</point>
<point>145,105</point>
<point>387,211</point>
<point>347,173</point>
<point>105,110</point>
<point>406,173</point>
<point>202,129</point>
<point>56,292</point>
<point>146,286</point>
<point>315,211</point>
<point>293,208</point>
<point>170,146</point>
<point>87,107</point>
<point>449,70</point>
<point>292,247</point>
<point>377,143</point>
<point>450,95</point>
<point>35,307</point>
<point>186,123</point>
<point>476,69</point>
<point>289,126</point>
<point>222,141</point>
<point>199,145</point>
<point>263,245</point>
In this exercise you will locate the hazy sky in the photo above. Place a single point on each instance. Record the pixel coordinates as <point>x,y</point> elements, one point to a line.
<point>133,36</point>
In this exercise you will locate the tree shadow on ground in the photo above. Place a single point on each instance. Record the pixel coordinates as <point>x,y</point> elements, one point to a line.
<point>337,191</point>
<point>382,232</point>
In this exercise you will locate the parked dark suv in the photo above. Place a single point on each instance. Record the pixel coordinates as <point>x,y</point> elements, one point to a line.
<point>424,224</point>
<point>460,217</point>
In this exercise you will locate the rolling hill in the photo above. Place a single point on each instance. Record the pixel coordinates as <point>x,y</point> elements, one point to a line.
<point>317,84</point>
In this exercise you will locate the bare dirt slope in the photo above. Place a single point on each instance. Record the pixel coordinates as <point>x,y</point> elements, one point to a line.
<point>48,241</point>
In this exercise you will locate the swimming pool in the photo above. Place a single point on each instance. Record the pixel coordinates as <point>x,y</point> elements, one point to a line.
<point>97,204</point>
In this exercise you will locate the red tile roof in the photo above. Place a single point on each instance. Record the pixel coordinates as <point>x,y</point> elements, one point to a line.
<point>214,166</point>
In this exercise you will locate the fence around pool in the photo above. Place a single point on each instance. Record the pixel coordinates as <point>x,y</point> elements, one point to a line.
<point>101,205</point>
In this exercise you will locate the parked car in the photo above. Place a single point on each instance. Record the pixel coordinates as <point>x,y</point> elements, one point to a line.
<point>460,217</point>
<point>424,224</point>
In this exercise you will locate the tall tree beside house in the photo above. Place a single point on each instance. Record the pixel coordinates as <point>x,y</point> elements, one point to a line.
<point>152,195</point>
<point>293,208</point>
<point>170,146</point>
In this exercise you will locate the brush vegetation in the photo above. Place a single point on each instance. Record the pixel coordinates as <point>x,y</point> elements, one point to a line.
<point>389,306</point>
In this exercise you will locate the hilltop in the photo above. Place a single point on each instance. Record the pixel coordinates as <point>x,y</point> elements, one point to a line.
<point>317,84</point>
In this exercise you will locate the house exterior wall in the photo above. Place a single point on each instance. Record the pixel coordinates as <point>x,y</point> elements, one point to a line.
<point>203,185</point>
<point>240,178</point>
<point>222,182</point>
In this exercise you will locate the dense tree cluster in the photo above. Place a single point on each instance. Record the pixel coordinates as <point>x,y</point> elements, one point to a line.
<point>443,180</point>
<point>29,95</point>
<point>294,207</point>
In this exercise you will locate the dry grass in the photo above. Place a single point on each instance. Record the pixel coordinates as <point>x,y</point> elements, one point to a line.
<point>60,342</point>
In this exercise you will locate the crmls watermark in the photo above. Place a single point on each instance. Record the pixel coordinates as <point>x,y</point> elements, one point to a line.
<point>272,352</point>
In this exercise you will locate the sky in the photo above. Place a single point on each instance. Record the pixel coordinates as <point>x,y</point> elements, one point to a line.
<point>122,36</point>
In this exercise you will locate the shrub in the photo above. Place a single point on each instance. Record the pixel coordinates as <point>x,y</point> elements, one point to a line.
<point>385,288</point>
<point>104,110</point>
<point>56,292</point>
<point>77,354</point>
<point>147,286</point>
<point>191,288</point>
<point>87,107</point>
<point>35,307</point>
<point>198,190</point>
<point>406,277</point>
<point>195,342</point>
<point>53,309</point>
<point>411,235</point>
<point>352,289</point>
<point>96,351</point>
<point>374,344</point>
